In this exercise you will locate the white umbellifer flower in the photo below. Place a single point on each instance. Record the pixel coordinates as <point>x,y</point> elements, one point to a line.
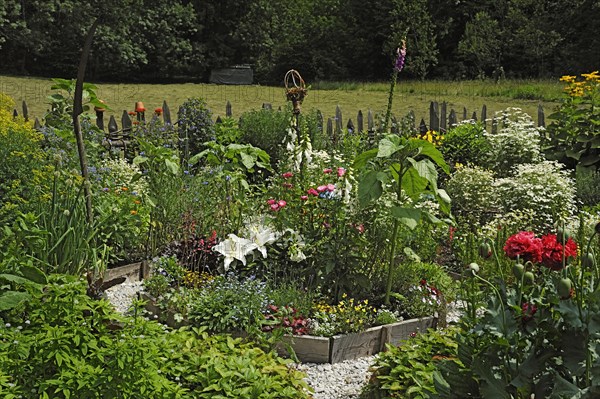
<point>234,247</point>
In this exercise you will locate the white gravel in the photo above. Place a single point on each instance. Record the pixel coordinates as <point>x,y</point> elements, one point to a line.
<point>330,381</point>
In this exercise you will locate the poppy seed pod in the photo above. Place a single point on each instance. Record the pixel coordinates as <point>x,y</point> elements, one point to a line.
<point>597,228</point>
<point>473,268</point>
<point>485,250</point>
<point>564,288</point>
<point>528,277</point>
<point>588,260</point>
<point>518,269</point>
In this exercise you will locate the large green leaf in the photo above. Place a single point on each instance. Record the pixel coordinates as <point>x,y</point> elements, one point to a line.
<point>388,146</point>
<point>370,187</point>
<point>413,184</point>
<point>248,160</point>
<point>429,150</point>
<point>172,166</point>
<point>12,299</point>
<point>361,160</point>
<point>426,169</point>
<point>34,274</point>
<point>407,216</point>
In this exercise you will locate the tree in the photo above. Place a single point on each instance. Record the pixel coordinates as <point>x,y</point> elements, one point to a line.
<point>480,45</point>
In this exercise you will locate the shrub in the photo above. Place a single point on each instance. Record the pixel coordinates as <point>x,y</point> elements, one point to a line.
<point>588,186</point>
<point>195,126</point>
<point>516,141</point>
<point>267,130</point>
<point>544,189</point>
<point>465,144</point>
<point>23,174</point>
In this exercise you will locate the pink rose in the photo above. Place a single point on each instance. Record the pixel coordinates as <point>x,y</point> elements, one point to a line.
<point>321,188</point>
<point>327,170</point>
<point>270,201</point>
<point>274,207</point>
<point>282,203</point>
<point>330,187</point>
<point>304,197</point>
<point>312,191</point>
<point>341,171</point>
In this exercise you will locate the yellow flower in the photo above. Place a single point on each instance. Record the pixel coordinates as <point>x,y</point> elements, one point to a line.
<point>568,78</point>
<point>458,165</point>
<point>591,76</point>
<point>133,212</point>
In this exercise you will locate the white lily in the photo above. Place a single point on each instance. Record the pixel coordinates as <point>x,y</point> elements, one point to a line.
<point>261,236</point>
<point>234,247</point>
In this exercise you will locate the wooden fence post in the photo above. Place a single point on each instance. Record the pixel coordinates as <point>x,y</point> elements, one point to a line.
<point>423,127</point>
<point>464,114</point>
<point>370,127</point>
<point>329,128</point>
<point>228,112</point>
<point>25,111</point>
<point>125,123</point>
<point>484,116</point>
<point>112,125</point>
<point>320,121</point>
<point>541,117</point>
<point>166,113</point>
<point>350,126</point>
<point>267,106</point>
<point>452,119</point>
<point>474,116</point>
<point>100,118</point>
<point>338,120</point>
<point>359,121</point>
<point>434,118</point>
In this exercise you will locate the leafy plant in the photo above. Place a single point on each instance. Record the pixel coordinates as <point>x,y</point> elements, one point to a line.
<point>573,137</point>
<point>465,144</point>
<point>266,129</point>
<point>196,126</point>
<point>407,167</point>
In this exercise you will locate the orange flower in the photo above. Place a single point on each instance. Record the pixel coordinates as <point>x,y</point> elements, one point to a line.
<point>124,188</point>
<point>158,111</point>
<point>137,202</point>
<point>140,109</point>
<point>136,122</point>
<point>131,113</point>
<point>133,212</point>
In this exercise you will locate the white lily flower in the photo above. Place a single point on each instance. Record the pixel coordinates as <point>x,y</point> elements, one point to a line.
<point>234,247</point>
<point>261,236</point>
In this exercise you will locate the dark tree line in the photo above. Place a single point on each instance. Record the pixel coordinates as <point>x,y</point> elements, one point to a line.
<point>325,39</point>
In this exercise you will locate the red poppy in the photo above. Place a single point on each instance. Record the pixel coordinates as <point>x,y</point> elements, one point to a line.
<point>525,245</point>
<point>552,253</point>
<point>158,111</point>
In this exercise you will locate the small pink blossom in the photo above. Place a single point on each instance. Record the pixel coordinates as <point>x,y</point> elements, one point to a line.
<point>282,203</point>
<point>287,175</point>
<point>288,185</point>
<point>327,170</point>
<point>341,171</point>
<point>360,228</point>
<point>274,207</point>
<point>326,225</point>
<point>312,191</point>
<point>270,201</point>
<point>304,197</point>
<point>321,188</point>
<point>330,187</point>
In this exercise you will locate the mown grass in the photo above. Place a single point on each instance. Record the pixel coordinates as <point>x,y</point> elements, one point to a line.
<point>325,96</point>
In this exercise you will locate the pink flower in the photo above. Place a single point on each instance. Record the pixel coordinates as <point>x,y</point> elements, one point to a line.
<point>525,245</point>
<point>321,188</point>
<point>341,171</point>
<point>288,185</point>
<point>330,187</point>
<point>360,228</point>
<point>312,191</point>
<point>327,170</point>
<point>282,203</point>
<point>287,175</point>
<point>270,201</point>
<point>274,207</point>
<point>304,197</point>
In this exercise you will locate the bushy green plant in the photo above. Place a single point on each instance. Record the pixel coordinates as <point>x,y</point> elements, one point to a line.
<point>24,173</point>
<point>229,304</point>
<point>63,344</point>
<point>516,141</point>
<point>465,144</point>
<point>407,370</point>
<point>573,137</point>
<point>588,186</point>
<point>267,130</point>
<point>545,189</point>
<point>195,126</point>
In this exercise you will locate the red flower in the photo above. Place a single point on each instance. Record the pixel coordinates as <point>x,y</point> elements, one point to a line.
<point>131,113</point>
<point>304,197</point>
<point>528,311</point>
<point>552,253</point>
<point>158,111</point>
<point>140,109</point>
<point>327,170</point>
<point>525,245</point>
<point>287,175</point>
<point>312,191</point>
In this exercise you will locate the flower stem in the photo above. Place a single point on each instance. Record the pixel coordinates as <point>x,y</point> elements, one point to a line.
<point>388,112</point>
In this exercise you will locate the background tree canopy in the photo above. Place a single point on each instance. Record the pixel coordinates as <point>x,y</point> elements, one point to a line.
<point>325,39</point>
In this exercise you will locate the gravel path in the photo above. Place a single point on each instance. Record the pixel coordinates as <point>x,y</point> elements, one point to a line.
<point>330,381</point>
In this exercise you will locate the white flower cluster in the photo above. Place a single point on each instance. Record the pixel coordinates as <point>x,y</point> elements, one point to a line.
<point>117,173</point>
<point>516,141</point>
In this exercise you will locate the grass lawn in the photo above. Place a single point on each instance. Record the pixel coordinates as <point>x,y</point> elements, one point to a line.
<point>325,96</point>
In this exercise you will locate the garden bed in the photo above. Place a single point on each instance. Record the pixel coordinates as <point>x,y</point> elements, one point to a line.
<point>335,349</point>
<point>133,271</point>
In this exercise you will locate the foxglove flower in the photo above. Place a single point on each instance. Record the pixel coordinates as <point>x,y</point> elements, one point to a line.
<point>401,56</point>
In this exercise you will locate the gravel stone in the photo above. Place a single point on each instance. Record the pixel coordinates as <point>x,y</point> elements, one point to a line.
<point>122,295</point>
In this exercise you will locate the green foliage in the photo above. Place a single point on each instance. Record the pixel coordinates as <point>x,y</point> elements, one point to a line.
<point>407,370</point>
<point>587,182</point>
<point>480,45</point>
<point>465,144</point>
<point>196,126</point>
<point>573,137</point>
<point>64,344</point>
<point>229,304</point>
<point>266,129</point>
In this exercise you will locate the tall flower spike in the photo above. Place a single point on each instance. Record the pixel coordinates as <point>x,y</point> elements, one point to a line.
<point>401,55</point>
